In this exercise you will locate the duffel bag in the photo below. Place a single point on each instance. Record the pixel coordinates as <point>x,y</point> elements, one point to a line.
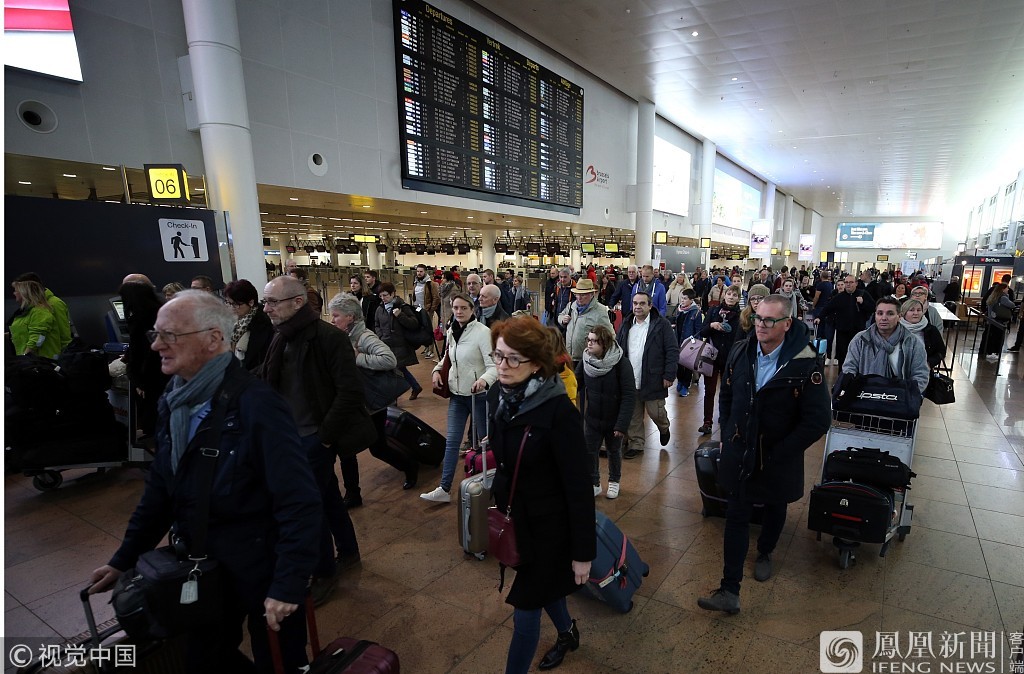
<point>868,465</point>
<point>877,395</point>
<point>698,355</point>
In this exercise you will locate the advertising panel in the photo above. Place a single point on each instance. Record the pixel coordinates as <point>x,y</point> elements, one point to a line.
<point>903,235</point>
<point>806,252</point>
<point>760,238</point>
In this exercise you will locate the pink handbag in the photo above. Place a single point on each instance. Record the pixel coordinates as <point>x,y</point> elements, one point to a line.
<point>698,355</point>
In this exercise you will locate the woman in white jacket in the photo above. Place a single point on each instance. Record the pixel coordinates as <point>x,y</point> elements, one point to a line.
<point>472,371</point>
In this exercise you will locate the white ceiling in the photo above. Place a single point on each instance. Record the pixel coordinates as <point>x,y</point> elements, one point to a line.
<point>898,107</point>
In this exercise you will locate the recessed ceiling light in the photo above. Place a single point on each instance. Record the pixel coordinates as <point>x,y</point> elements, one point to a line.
<point>109,168</point>
<point>24,182</point>
<point>469,217</point>
<point>294,198</point>
<point>694,34</point>
<point>200,189</point>
<point>423,212</point>
<point>70,175</point>
<point>264,213</point>
<point>734,79</point>
<point>365,206</point>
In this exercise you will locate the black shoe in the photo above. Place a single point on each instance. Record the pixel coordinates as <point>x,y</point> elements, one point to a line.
<point>354,501</point>
<point>415,393</point>
<point>603,453</point>
<point>567,641</point>
<point>345,562</point>
<point>664,436</point>
<point>321,590</point>
<point>1014,349</point>
<point>721,600</point>
<point>632,453</point>
<point>411,477</point>
<point>705,429</point>
<point>762,567</point>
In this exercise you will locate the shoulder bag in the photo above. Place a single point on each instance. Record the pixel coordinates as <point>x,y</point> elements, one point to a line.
<point>172,590</point>
<point>940,389</point>
<point>698,355</point>
<point>381,387</point>
<point>501,531</point>
<point>446,368</point>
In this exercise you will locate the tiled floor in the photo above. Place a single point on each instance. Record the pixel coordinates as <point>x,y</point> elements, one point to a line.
<point>961,569</point>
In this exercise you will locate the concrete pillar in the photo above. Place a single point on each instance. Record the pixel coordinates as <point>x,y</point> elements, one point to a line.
<point>487,254</point>
<point>788,225</point>
<point>709,152</point>
<point>575,258</point>
<point>211,29</point>
<point>644,182</point>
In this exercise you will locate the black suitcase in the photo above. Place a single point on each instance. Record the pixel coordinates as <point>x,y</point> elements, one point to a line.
<point>868,465</point>
<point>852,511</point>
<point>412,436</point>
<point>713,497</point>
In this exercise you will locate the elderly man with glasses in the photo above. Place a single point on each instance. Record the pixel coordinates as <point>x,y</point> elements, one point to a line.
<point>581,317</point>
<point>773,406</point>
<point>264,514</point>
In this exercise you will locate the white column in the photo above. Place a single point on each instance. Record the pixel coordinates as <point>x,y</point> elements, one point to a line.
<point>211,28</point>
<point>487,254</point>
<point>706,194</point>
<point>644,182</point>
<point>575,258</point>
<point>769,201</point>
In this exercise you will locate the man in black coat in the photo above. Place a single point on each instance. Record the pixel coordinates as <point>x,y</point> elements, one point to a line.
<point>648,341</point>
<point>312,364</point>
<point>773,406</point>
<point>264,511</point>
<point>849,310</point>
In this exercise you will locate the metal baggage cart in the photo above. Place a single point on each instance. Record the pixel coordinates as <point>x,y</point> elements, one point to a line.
<point>892,435</point>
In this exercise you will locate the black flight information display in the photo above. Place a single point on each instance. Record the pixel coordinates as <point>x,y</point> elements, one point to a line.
<point>479,119</point>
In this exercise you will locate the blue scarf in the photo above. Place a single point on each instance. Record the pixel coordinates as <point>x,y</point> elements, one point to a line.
<point>185,398</point>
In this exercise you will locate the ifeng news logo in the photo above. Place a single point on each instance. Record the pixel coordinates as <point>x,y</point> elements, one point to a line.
<point>841,652</point>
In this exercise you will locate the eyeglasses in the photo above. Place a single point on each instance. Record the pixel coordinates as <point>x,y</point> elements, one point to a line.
<point>922,293</point>
<point>171,337</point>
<point>512,359</point>
<point>592,341</point>
<point>233,304</point>
<point>273,303</point>
<point>768,322</point>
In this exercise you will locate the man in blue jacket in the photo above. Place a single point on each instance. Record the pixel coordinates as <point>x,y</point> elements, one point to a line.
<point>647,283</point>
<point>264,516</point>
<point>773,406</point>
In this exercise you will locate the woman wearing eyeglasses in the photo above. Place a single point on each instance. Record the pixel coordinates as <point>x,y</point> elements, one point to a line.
<point>472,371</point>
<point>533,424</point>
<point>253,329</point>
<point>757,292</point>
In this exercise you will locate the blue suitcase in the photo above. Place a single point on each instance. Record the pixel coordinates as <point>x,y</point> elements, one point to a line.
<point>617,572</point>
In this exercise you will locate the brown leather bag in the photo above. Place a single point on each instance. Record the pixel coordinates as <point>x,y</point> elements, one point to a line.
<point>446,366</point>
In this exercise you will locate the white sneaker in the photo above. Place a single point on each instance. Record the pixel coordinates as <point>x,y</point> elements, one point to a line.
<point>597,490</point>
<point>613,490</point>
<point>992,357</point>
<point>835,361</point>
<point>439,495</point>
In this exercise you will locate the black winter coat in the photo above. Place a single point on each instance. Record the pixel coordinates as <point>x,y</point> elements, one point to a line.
<point>661,355</point>
<point>607,401</point>
<point>844,312</point>
<point>765,433</point>
<point>391,330</point>
<point>369,304</point>
<point>553,507</point>
<point>722,341</point>
<point>265,510</point>
<point>261,330</point>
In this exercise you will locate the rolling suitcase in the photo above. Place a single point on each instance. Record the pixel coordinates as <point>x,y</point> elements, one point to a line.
<point>617,572</point>
<point>414,437</point>
<point>341,656</point>
<point>713,498</point>
<point>473,500</point>
<point>852,511</point>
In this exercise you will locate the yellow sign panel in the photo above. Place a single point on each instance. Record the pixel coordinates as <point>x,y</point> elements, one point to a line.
<point>167,183</point>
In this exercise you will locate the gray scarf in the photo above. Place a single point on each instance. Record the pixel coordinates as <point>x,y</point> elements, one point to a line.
<point>185,398</point>
<point>795,299</point>
<point>487,312</point>
<point>598,367</point>
<point>882,349</point>
<point>914,327</point>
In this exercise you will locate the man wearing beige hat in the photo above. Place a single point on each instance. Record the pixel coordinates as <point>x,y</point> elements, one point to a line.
<point>580,317</point>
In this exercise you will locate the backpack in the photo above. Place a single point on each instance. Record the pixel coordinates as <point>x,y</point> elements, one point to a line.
<point>423,335</point>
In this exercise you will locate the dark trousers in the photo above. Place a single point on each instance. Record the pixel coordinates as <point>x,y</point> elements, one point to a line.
<point>592,438</point>
<point>737,539</point>
<point>710,389</point>
<point>337,531</point>
<point>1020,333</point>
<point>526,634</point>
<point>843,339</point>
<point>410,377</point>
<point>379,449</point>
<point>216,651</point>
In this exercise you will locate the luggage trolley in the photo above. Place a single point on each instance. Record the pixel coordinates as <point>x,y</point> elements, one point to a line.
<point>857,510</point>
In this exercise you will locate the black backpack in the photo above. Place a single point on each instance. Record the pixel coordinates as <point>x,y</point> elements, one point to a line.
<point>422,335</point>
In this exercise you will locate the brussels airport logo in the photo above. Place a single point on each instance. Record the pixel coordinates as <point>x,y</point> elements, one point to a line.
<point>841,652</point>
<point>596,177</point>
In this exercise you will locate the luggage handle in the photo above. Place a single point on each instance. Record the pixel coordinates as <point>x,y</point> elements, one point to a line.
<point>96,637</point>
<point>314,637</point>
<point>475,429</point>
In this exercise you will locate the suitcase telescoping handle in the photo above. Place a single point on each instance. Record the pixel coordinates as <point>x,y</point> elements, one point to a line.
<point>475,429</point>
<point>314,638</point>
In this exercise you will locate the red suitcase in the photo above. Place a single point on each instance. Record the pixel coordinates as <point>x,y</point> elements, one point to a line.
<point>342,656</point>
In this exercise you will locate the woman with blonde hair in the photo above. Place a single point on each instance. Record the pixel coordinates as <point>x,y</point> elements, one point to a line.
<point>565,371</point>
<point>34,327</point>
<point>674,294</point>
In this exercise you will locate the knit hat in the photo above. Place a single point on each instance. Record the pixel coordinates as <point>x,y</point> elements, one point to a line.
<point>758,290</point>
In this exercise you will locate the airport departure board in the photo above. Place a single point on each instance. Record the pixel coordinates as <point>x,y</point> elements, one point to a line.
<point>479,119</point>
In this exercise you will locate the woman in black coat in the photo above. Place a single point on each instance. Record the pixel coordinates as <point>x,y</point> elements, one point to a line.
<point>392,319</point>
<point>721,327</point>
<point>552,506</point>
<point>253,329</point>
<point>607,394</point>
<point>141,304</point>
<point>367,300</point>
<point>912,318</point>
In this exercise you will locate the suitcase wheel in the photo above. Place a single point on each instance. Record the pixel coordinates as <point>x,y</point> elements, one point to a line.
<point>846,558</point>
<point>902,534</point>
<point>48,480</point>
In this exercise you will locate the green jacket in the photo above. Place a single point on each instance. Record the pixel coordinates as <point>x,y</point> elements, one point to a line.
<point>36,329</point>
<point>61,317</point>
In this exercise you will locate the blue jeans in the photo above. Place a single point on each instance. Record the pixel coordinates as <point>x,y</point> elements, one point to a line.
<point>458,415</point>
<point>737,540</point>
<point>410,378</point>
<point>526,634</point>
<point>337,532</point>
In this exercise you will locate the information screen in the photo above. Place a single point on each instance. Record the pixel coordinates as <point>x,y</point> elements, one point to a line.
<point>476,116</point>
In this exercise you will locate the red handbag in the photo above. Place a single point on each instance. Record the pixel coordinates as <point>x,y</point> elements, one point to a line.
<point>446,367</point>
<point>501,531</point>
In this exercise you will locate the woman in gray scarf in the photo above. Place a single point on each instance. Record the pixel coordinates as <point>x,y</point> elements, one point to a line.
<point>912,318</point>
<point>887,348</point>
<point>607,394</point>
<point>796,300</point>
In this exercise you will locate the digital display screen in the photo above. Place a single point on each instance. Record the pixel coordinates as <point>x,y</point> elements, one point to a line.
<point>611,248</point>
<point>888,235</point>
<point>118,308</point>
<point>588,247</point>
<point>479,119</point>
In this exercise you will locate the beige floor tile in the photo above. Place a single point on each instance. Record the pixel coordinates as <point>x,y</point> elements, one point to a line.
<point>420,557</point>
<point>975,428</point>
<point>938,489</point>
<point>1004,562</point>
<point>661,559</point>
<point>1001,478</point>
<point>953,413</point>
<point>932,467</point>
<point>999,527</point>
<point>64,613</point>
<point>992,498</point>
<point>932,434</point>
<point>968,439</point>
<point>941,549</point>
<point>662,525</point>
<point>902,622</point>
<point>986,457</point>
<point>809,558</point>
<point>1011,606</point>
<point>767,654</point>
<point>63,568</point>
<point>943,594</point>
<point>956,519</point>
<point>931,421</point>
<point>938,450</point>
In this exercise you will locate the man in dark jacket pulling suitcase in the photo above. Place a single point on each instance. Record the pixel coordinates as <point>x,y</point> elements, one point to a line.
<point>264,516</point>
<point>312,364</point>
<point>773,406</point>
